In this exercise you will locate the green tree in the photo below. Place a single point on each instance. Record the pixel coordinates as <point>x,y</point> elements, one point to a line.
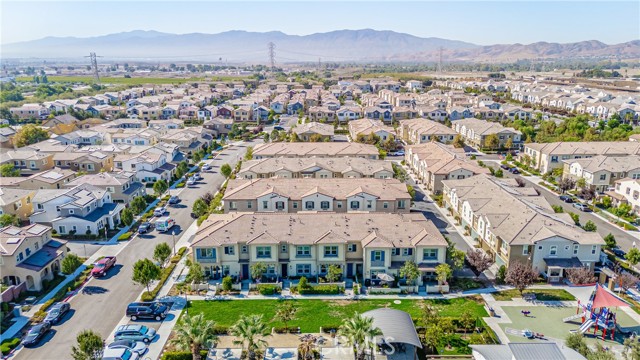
<point>581,183</point>
<point>410,272</point>
<point>144,272</point>
<point>498,173</point>
<point>249,154</point>
<point>196,274</point>
<point>334,273</point>
<point>7,170</point>
<point>266,137</point>
<point>443,273</point>
<point>359,333</point>
<point>138,204</point>
<point>9,219</point>
<point>29,134</point>
<point>160,186</point>
<point>89,346</point>
<point>575,341</point>
<point>194,333</point>
<point>227,283</point>
<point>509,143</point>
<point>286,312</point>
<point>126,217</point>
<point>610,241</point>
<point>196,157</point>
<point>491,141</point>
<point>633,256</point>
<point>622,210</point>
<point>70,263</point>
<point>631,350</point>
<point>182,169</point>
<point>257,270</point>
<point>249,331</point>
<point>161,253</point>
<point>458,142</point>
<point>590,226</point>
<point>226,170</point>
<point>200,207</point>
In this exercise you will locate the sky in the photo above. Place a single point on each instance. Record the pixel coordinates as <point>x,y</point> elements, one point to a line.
<point>476,21</point>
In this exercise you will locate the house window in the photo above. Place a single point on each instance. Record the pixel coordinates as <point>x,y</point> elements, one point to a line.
<point>376,255</point>
<point>265,204</point>
<point>525,250</point>
<point>27,251</point>
<point>323,269</point>
<point>553,250</point>
<point>385,205</point>
<point>352,247</point>
<point>303,251</point>
<point>407,252</point>
<point>249,204</point>
<point>355,205</point>
<point>369,204</point>
<point>205,253</point>
<point>401,204</point>
<point>554,159</point>
<point>339,203</point>
<point>229,250</point>
<point>110,189</point>
<point>295,204</point>
<point>283,248</point>
<point>233,205</point>
<point>89,166</point>
<point>324,205</point>
<point>575,249</point>
<point>63,230</point>
<point>593,249</point>
<point>263,252</point>
<point>395,251</point>
<point>430,254</point>
<point>303,269</point>
<point>603,177</point>
<point>279,205</point>
<point>19,257</point>
<point>244,249</point>
<point>309,205</point>
<point>331,251</point>
<point>540,247</point>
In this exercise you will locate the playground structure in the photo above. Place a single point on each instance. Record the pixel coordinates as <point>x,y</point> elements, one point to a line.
<point>598,312</point>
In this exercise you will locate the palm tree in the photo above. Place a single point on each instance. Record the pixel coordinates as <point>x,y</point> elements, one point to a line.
<point>194,333</point>
<point>359,332</point>
<point>306,350</point>
<point>249,330</point>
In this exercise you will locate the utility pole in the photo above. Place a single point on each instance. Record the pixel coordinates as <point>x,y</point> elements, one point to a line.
<point>440,60</point>
<point>94,66</point>
<point>319,65</point>
<point>272,55</point>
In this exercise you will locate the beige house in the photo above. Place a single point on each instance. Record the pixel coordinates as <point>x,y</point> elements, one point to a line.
<point>55,178</point>
<point>242,114</point>
<point>90,162</point>
<point>29,255</point>
<point>122,186</point>
<point>362,244</point>
<point>548,156</point>
<point>319,131</point>
<point>419,131</point>
<point>626,191</point>
<point>319,168</point>
<point>16,202</point>
<point>600,172</point>
<point>475,132</point>
<point>515,223</point>
<point>434,162</point>
<point>332,149</point>
<point>317,195</point>
<point>371,126</point>
<point>28,161</point>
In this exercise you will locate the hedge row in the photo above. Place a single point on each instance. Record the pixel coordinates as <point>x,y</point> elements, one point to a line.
<point>125,236</point>
<point>319,290</point>
<point>166,272</point>
<point>182,355</point>
<point>79,280</point>
<point>268,289</point>
<point>8,345</point>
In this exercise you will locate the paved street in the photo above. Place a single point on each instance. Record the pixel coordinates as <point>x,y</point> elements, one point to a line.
<point>625,241</point>
<point>103,309</point>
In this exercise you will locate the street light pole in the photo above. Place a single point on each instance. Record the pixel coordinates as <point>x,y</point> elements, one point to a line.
<point>173,239</point>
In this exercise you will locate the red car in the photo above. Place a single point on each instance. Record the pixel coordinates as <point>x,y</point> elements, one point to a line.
<point>100,268</point>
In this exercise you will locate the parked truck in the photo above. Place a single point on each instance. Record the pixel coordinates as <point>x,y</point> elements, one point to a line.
<point>164,224</point>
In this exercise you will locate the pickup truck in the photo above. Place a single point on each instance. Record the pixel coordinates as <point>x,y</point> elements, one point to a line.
<point>100,268</point>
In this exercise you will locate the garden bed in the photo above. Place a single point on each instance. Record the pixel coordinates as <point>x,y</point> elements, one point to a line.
<point>541,295</point>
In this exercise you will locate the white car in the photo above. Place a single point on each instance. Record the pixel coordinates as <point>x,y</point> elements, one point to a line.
<point>191,182</point>
<point>119,354</point>
<point>159,211</point>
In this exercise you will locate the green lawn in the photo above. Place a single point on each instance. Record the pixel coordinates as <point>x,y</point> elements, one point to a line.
<point>543,295</point>
<point>313,314</point>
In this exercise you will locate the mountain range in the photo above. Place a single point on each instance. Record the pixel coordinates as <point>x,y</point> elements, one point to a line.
<point>341,46</point>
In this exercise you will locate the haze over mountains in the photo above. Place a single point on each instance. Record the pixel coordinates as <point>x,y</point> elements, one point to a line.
<point>341,45</point>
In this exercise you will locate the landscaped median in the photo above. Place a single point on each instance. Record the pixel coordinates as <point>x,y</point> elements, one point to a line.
<point>166,272</point>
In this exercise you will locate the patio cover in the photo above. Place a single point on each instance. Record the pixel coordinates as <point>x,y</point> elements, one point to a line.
<point>396,326</point>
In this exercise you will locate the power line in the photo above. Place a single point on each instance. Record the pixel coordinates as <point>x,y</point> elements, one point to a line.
<point>272,55</point>
<point>94,65</point>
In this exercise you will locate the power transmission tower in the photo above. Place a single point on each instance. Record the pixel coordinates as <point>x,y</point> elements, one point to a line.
<point>94,66</point>
<point>319,65</point>
<point>533,66</point>
<point>272,55</point>
<point>440,60</point>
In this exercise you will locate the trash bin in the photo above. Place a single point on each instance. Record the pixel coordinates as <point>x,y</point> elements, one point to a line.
<point>492,312</point>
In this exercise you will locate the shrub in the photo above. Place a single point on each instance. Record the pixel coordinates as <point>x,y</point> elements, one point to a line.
<point>125,236</point>
<point>557,209</point>
<point>227,283</point>
<point>182,355</point>
<point>178,256</point>
<point>304,283</point>
<point>268,289</point>
<point>575,217</point>
<point>590,226</point>
<point>8,345</point>
<point>180,185</point>
<point>502,273</point>
<point>321,290</point>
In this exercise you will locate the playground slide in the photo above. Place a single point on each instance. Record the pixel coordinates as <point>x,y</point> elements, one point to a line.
<point>586,326</point>
<point>573,317</point>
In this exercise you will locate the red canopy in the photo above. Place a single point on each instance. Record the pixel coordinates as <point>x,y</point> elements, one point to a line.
<point>604,298</point>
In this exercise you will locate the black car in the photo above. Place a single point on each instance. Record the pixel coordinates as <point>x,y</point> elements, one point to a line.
<point>279,128</point>
<point>566,198</point>
<point>514,170</point>
<point>504,166</point>
<point>619,253</point>
<point>56,312</point>
<point>145,227</point>
<point>147,310</point>
<point>35,334</point>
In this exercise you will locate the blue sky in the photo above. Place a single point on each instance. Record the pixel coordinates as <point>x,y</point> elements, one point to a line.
<point>479,22</point>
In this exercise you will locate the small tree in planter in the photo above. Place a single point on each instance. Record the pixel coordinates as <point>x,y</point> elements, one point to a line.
<point>443,273</point>
<point>410,272</point>
<point>467,230</point>
<point>520,275</point>
<point>334,273</point>
<point>227,283</point>
<point>257,270</point>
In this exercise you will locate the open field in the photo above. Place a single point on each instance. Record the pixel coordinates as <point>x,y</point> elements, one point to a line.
<point>132,80</point>
<point>313,314</point>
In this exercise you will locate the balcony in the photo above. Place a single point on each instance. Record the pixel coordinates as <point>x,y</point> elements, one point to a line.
<point>207,260</point>
<point>303,256</point>
<point>377,263</point>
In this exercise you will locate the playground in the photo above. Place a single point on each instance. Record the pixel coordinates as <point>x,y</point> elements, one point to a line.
<point>599,319</point>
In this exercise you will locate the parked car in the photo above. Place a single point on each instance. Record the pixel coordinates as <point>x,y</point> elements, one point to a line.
<point>397,153</point>
<point>279,128</point>
<point>147,310</point>
<point>119,354</point>
<point>145,227</point>
<point>206,167</point>
<point>197,176</point>
<point>619,252</point>
<point>191,182</point>
<point>100,268</point>
<point>505,166</point>
<point>581,207</point>
<point>135,332</point>
<point>514,170</point>
<point>35,334</point>
<point>566,198</point>
<point>159,211</point>
<point>56,312</point>
<point>173,200</point>
<point>137,347</point>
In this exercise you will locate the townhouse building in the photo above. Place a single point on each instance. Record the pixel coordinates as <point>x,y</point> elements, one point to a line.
<point>294,245</point>
<point>16,202</point>
<point>28,161</point>
<point>316,167</point>
<point>515,223</point>
<point>122,186</point>
<point>332,149</point>
<point>91,162</point>
<point>600,172</point>
<point>147,166</point>
<point>314,130</point>
<point>371,126</point>
<point>475,133</point>
<point>55,178</point>
<point>30,256</point>
<point>419,131</point>
<point>626,191</point>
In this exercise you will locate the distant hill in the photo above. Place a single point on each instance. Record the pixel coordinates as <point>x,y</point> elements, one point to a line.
<point>340,45</point>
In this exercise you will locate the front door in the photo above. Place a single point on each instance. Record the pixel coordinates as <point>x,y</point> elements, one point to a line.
<point>349,269</point>
<point>283,272</point>
<point>245,271</point>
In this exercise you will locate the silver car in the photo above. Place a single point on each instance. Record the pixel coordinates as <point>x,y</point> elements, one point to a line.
<point>137,347</point>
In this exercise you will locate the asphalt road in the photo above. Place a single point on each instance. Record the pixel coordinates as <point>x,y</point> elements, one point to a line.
<point>104,307</point>
<point>624,240</point>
